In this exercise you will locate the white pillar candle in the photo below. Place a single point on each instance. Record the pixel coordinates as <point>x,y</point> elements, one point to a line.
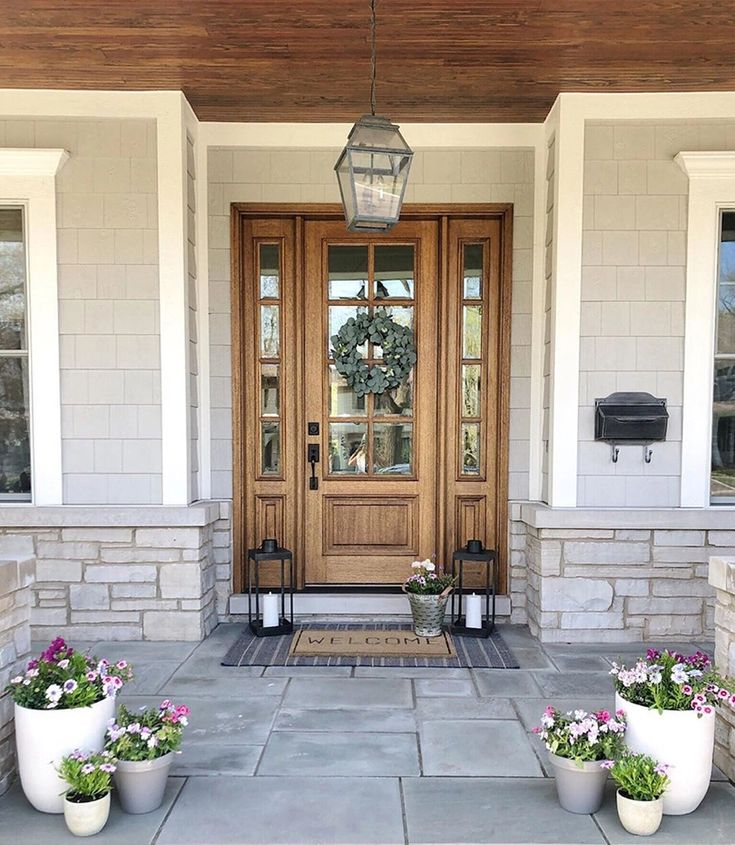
<point>270,610</point>
<point>473,617</point>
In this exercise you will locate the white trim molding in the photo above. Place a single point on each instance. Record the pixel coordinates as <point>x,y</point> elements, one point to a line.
<point>28,178</point>
<point>711,188</point>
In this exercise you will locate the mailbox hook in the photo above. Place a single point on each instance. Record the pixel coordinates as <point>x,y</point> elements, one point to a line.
<point>615,453</point>
<point>647,454</point>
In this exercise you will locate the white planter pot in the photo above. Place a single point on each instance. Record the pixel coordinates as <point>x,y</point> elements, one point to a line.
<point>43,737</point>
<point>641,818</point>
<point>680,738</point>
<point>88,818</point>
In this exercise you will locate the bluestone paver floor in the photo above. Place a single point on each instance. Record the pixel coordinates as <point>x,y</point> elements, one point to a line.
<point>368,756</point>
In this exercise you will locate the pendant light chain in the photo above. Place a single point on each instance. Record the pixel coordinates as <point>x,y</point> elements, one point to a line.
<point>373,61</point>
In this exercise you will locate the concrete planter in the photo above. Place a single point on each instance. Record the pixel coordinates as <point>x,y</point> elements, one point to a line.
<point>87,818</point>
<point>43,737</point>
<point>580,787</point>
<point>682,739</point>
<point>641,818</point>
<point>141,783</point>
<point>428,613</point>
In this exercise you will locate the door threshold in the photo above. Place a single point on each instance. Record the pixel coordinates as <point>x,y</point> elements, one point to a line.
<point>349,603</point>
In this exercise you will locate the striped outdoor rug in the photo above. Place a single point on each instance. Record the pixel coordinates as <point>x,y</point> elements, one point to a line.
<point>472,653</point>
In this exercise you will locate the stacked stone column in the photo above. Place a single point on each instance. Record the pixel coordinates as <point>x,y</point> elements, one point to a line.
<point>722,578</point>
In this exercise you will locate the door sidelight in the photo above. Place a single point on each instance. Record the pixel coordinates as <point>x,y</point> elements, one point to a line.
<point>312,456</point>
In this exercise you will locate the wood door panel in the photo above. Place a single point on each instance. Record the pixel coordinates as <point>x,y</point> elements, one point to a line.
<point>370,525</point>
<point>364,525</point>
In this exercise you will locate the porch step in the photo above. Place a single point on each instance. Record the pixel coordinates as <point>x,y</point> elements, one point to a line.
<point>350,604</point>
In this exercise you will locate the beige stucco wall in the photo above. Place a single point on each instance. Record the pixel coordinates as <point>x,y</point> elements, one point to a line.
<point>108,305</point>
<point>289,175</point>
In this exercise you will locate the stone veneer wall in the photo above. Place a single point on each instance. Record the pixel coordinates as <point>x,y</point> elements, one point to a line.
<point>16,577</point>
<point>118,574</point>
<point>622,575</point>
<point>722,578</point>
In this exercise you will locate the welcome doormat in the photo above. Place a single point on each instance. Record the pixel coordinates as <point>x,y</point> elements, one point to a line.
<point>321,642</point>
<point>470,652</point>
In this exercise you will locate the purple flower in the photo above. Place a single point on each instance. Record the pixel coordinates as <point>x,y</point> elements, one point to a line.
<point>87,769</point>
<point>662,769</point>
<point>70,685</point>
<point>107,767</point>
<point>607,764</point>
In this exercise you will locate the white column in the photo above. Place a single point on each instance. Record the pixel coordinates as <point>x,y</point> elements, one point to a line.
<point>172,259</point>
<point>566,308</point>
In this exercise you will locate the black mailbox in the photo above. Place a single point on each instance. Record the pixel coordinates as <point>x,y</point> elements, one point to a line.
<point>631,418</point>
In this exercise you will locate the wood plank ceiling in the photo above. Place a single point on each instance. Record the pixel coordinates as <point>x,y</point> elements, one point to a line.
<point>438,60</point>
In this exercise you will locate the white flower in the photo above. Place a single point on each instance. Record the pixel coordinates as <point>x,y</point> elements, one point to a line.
<point>429,566</point>
<point>417,564</point>
<point>54,693</point>
<point>16,680</point>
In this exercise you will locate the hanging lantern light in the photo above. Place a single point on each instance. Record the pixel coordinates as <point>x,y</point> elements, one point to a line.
<point>372,170</point>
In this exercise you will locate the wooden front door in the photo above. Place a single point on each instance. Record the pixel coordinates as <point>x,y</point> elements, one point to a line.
<point>375,507</point>
<point>411,472</point>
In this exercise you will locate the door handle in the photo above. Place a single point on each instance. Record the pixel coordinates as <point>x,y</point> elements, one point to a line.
<point>312,456</point>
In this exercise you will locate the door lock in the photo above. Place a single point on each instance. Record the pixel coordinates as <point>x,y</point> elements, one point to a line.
<point>312,456</point>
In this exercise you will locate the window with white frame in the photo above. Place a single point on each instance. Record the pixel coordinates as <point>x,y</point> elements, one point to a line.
<point>722,478</point>
<point>15,447</point>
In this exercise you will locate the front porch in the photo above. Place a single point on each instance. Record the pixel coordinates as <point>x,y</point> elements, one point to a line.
<point>342,755</point>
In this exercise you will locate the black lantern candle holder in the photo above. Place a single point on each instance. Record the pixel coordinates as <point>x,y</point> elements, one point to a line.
<point>474,552</point>
<point>270,551</point>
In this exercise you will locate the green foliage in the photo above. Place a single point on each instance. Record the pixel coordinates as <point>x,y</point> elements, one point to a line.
<point>639,777</point>
<point>62,679</point>
<point>425,581</point>
<point>147,734</point>
<point>87,775</point>
<point>396,341</point>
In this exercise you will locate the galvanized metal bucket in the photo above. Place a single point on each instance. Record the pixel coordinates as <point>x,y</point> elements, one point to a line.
<point>428,612</point>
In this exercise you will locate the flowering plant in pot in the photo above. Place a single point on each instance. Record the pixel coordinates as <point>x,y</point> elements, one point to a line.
<point>87,797</point>
<point>63,701</point>
<point>641,783</point>
<point>427,594</point>
<point>669,700</point>
<point>578,743</point>
<point>144,744</point>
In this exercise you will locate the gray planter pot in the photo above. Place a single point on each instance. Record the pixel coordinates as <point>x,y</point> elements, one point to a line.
<point>140,784</point>
<point>428,613</point>
<point>580,788</point>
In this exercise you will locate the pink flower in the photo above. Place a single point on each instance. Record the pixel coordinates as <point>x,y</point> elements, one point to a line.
<point>687,690</point>
<point>607,764</point>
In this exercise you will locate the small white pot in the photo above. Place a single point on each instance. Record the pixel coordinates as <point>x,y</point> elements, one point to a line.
<point>641,818</point>
<point>680,738</point>
<point>43,737</point>
<point>87,818</point>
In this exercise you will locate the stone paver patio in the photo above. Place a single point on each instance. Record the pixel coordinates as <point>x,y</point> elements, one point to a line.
<point>342,756</point>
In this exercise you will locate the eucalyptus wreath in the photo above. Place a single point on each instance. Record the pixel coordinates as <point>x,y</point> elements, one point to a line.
<point>396,341</point>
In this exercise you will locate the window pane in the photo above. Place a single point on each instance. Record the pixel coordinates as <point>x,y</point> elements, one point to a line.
<point>472,331</point>
<point>269,331</point>
<point>394,272</point>
<point>726,318</point>
<point>348,272</point>
<point>347,448</point>
<point>270,445</point>
<point>15,450</point>
<point>401,314</point>
<point>338,316</point>
<point>470,448</point>
<point>723,431</point>
<point>471,390</point>
<point>343,401</point>
<point>399,400</point>
<point>392,448</point>
<point>270,271</point>
<point>269,398</point>
<point>12,280</point>
<point>472,271</point>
